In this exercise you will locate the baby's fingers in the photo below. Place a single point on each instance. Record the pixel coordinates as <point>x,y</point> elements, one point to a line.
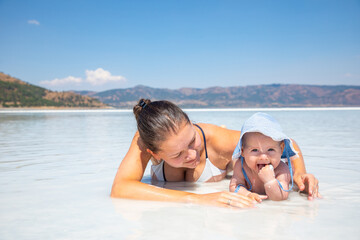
<point>259,198</point>
<point>263,196</point>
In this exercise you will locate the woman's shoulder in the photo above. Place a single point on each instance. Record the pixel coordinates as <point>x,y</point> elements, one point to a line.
<point>211,128</point>
<point>220,138</point>
<point>217,131</point>
<point>138,147</point>
<point>138,141</point>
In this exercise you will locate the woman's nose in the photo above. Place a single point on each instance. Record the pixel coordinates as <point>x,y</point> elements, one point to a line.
<point>191,154</point>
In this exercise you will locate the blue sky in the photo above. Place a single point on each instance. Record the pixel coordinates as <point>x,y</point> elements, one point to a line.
<point>100,45</point>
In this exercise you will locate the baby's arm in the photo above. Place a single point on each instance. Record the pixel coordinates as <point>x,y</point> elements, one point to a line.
<point>271,185</point>
<point>238,180</point>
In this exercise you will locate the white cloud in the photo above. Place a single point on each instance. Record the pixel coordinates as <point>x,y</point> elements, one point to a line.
<point>101,76</point>
<point>33,22</point>
<point>62,81</point>
<point>97,80</point>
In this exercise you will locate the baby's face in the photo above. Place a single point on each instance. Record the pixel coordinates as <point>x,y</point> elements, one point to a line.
<point>260,150</point>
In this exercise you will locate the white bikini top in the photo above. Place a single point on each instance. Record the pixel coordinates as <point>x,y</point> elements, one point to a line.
<point>208,174</point>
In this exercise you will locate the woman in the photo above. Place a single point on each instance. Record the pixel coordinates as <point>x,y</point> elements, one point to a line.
<point>182,151</point>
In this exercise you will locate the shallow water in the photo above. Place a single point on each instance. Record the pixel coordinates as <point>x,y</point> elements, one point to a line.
<point>57,168</point>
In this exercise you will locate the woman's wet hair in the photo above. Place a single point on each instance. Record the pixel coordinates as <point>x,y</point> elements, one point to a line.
<point>157,120</point>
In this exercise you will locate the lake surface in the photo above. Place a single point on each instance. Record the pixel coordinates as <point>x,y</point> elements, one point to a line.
<point>57,168</point>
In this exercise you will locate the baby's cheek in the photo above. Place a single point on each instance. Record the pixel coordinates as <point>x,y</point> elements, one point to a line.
<point>276,161</point>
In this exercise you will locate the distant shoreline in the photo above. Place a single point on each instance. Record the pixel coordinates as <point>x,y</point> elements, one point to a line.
<point>52,108</point>
<point>64,109</point>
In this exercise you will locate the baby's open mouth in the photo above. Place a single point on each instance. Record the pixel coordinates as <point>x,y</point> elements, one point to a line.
<point>260,166</point>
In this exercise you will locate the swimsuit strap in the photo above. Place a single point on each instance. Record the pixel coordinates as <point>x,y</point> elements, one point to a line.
<point>244,173</point>
<point>163,171</point>
<point>291,175</point>
<point>203,138</point>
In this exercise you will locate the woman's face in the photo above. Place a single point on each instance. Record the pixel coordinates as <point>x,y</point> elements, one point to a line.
<point>260,150</point>
<point>181,149</point>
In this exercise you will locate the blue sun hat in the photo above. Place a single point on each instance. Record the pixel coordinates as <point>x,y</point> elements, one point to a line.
<point>269,126</point>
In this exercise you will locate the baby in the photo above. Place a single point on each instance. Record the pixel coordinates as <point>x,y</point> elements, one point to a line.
<point>260,173</point>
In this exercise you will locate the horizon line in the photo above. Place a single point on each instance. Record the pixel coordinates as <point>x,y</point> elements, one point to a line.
<point>184,109</point>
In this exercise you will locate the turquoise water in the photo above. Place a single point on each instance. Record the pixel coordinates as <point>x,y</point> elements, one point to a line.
<point>57,168</point>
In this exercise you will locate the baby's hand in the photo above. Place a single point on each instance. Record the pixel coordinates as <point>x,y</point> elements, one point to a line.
<point>267,173</point>
<point>257,197</point>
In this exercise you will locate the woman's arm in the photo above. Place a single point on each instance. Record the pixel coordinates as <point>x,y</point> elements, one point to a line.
<point>127,184</point>
<point>305,181</point>
<point>237,179</point>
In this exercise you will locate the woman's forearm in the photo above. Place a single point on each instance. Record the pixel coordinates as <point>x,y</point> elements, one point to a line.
<point>132,189</point>
<point>298,163</point>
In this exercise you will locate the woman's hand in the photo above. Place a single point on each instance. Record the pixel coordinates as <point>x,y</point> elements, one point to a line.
<point>224,199</point>
<point>309,184</point>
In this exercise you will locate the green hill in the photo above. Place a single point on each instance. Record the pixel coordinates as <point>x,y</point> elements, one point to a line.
<point>16,93</point>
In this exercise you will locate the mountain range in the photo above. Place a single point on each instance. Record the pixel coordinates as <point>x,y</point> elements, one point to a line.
<point>17,93</point>
<point>273,95</point>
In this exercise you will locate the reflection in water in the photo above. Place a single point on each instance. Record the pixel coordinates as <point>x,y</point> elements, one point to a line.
<point>187,220</point>
<point>208,221</point>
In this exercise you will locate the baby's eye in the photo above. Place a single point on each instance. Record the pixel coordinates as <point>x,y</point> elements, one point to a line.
<point>254,150</point>
<point>271,149</point>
